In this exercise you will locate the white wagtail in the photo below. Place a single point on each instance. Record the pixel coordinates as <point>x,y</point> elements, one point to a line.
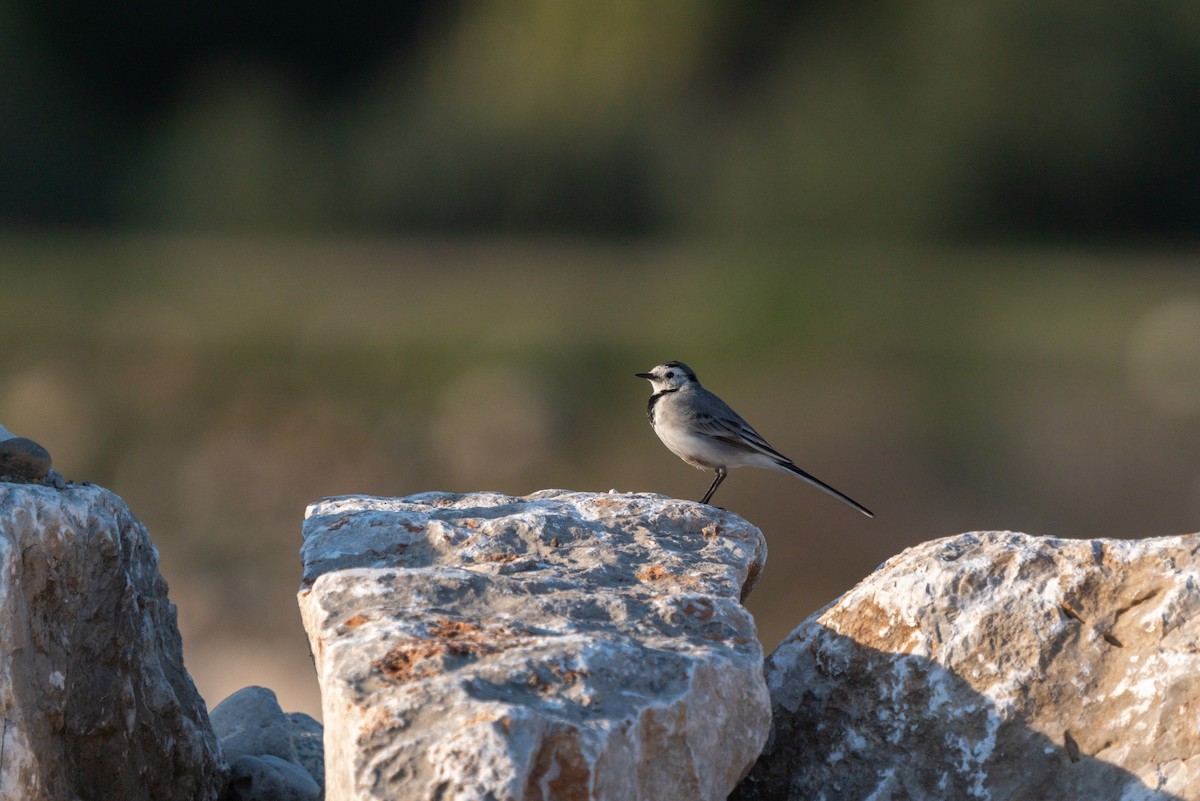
<point>701,429</point>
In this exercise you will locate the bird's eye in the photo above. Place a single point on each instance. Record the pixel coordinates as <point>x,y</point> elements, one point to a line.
<point>670,374</point>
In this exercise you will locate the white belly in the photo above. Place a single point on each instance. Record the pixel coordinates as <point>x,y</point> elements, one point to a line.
<point>706,453</point>
<point>696,451</point>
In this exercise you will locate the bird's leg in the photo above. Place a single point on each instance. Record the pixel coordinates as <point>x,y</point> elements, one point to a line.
<point>721,473</point>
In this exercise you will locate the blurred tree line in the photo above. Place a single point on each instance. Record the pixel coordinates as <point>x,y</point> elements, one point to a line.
<point>1000,120</point>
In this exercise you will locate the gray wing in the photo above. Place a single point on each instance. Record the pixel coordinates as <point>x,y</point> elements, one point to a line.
<point>715,419</point>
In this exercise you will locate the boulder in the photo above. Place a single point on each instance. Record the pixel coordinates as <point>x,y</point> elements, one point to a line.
<point>556,646</point>
<point>996,666</point>
<point>308,741</point>
<point>269,778</point>
<point>251,723</point>
<point>94,698</point>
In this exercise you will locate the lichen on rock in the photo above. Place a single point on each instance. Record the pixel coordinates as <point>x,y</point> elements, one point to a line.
<point>996,665</point>
<point>556,646</point>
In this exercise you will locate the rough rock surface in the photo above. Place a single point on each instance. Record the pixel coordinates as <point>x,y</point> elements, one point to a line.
<point>996,666</point>
<point>251,723</point>
<point>94,699</point>
<point>556,646</point>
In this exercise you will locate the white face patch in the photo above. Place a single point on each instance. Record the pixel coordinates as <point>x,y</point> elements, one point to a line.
<point>671,375</point>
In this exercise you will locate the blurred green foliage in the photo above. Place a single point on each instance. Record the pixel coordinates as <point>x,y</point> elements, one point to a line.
<point>1006,119</point>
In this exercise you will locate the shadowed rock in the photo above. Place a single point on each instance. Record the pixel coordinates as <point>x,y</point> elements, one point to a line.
<point>251,723</point>
<point>94,698</point>
<point>269,778</point>
<point>996,666</point>
<point>23,459</point>
<point>556,646</point>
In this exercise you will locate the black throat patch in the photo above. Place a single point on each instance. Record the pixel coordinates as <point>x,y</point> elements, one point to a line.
<point>654,399</point>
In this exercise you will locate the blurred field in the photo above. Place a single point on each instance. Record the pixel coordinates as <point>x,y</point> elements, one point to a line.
<point>219,385</point>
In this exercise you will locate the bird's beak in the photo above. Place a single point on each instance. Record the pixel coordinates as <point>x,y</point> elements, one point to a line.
<point>647,376</point>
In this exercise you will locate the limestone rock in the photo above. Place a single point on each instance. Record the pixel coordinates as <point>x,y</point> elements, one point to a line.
<point>556,646</point>
<point>269,778</point>
<point>94,698</point>
<point>251,723</point>
<point>996,666</point>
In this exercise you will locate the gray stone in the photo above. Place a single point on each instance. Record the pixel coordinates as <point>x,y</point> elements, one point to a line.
<point>269,778</point>
<point>308,740</point>
<point>94,699</point>
<point>556,646</point>
<point>22,459</point>
<point>250,723</point>
<point>996,666</point>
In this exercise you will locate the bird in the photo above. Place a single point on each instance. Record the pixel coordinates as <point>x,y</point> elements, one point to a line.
<point>702,430</point>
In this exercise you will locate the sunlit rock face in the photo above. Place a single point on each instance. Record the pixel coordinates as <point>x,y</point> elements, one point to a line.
<point>996,666</point>
<point>555,646</point>
<point>94,699</point>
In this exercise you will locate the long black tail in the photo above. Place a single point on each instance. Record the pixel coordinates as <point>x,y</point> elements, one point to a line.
<point>819,484</point>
